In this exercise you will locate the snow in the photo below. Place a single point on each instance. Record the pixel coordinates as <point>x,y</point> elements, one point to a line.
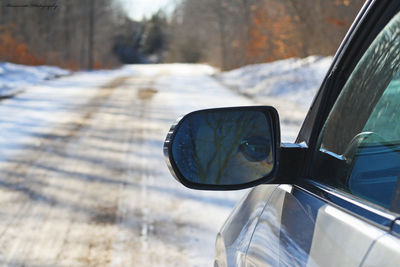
<point>175,223</point>
<point>294,79</point>
<point>42,103</point>
<point>14,77</point>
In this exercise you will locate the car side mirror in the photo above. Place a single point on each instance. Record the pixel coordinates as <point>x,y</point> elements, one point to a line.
<point>224,148</point>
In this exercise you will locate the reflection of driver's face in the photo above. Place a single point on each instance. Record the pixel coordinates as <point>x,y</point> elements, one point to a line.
<point>257,160</point>
<point>255,148</point>
<point>243,170</point>
<point>238,168</point>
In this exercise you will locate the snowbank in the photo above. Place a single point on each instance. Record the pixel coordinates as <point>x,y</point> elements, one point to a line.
<point>294,79</point>
<point>14,77</point>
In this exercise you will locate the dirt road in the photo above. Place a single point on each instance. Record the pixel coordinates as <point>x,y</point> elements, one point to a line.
<point>94,190</point>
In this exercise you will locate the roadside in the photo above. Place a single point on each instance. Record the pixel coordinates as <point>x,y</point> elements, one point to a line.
<point>15,77</point>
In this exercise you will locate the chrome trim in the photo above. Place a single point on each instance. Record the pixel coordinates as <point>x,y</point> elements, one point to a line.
<point>339,157</point>
<point>292,145</point>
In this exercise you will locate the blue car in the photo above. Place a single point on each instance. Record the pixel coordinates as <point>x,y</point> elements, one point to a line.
<point>332,198</point>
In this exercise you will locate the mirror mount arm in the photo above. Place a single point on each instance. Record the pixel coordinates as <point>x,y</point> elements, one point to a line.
<point>291,163</point>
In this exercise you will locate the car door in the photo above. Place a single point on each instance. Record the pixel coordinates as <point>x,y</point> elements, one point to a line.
<point>342,211</point>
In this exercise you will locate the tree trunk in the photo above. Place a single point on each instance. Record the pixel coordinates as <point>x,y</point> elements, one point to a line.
<point>91,35</point>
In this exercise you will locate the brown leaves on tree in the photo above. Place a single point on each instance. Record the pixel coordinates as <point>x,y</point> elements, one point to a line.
<point>233,33</point>
<point>14,50</point>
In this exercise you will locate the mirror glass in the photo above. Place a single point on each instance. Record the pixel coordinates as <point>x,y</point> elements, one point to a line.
<point>224,147</point>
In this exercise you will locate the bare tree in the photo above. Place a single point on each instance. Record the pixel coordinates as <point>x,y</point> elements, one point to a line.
<point>74,34</point>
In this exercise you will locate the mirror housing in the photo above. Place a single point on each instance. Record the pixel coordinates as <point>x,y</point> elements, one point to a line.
<point>224,148</point>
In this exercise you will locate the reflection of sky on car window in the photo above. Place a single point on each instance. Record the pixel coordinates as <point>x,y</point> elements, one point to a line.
<point>137,9</point>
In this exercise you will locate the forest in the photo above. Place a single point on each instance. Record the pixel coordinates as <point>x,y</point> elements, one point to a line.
<point>233,33</point>
<point>88,34</point>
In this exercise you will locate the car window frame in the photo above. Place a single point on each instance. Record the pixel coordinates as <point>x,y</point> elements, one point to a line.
<point>371,20</point>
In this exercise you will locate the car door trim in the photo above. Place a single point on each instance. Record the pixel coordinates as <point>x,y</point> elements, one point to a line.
<point>360,208</point>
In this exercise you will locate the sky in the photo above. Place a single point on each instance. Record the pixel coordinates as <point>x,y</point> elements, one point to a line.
<point>137,9</point>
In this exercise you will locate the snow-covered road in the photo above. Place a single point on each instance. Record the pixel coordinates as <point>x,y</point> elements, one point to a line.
<point>82,176</point>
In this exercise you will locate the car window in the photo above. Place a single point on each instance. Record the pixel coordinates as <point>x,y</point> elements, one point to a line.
<point>359,145</point>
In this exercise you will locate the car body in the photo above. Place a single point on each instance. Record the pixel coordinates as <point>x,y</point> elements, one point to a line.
<point>332,197</point>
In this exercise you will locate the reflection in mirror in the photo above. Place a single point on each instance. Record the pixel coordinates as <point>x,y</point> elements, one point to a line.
<point>220,147</point>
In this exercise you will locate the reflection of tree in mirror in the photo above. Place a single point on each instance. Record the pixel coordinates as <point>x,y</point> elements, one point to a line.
<point>206,147</point>
<point>184,148</point>
<point>225,140</point>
